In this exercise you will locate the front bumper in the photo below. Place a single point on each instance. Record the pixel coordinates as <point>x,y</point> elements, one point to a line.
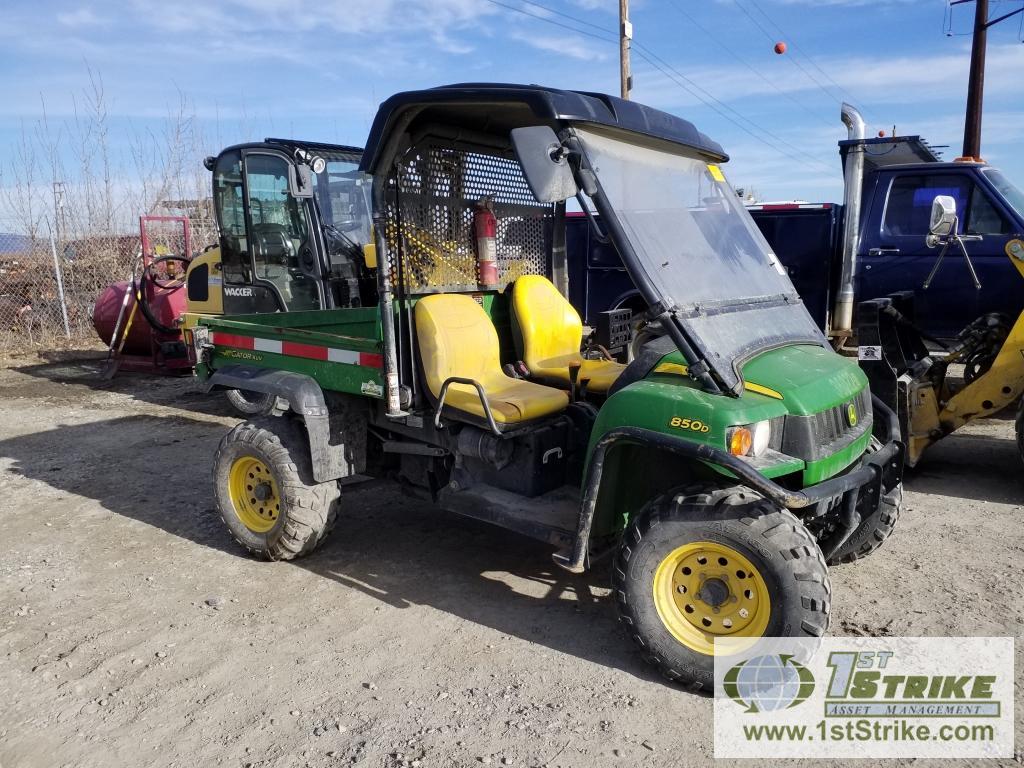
<point>862,486</point>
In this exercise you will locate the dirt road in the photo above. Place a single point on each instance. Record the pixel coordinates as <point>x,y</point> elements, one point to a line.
<point>134,632</point>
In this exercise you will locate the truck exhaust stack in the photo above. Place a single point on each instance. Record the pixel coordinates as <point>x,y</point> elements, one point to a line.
<point>842,320</point>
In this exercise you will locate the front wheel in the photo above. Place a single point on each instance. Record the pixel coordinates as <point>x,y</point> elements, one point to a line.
<point>266,494</point>
<point>710,562</point>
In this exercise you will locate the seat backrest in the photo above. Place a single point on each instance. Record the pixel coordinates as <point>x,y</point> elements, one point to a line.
<point>546,325</point>
<point>456,338</point>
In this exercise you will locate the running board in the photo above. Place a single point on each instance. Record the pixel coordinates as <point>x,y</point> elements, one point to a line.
<point>551,517</point>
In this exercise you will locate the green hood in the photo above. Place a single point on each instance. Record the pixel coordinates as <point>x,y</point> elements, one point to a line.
<point>810,378</point>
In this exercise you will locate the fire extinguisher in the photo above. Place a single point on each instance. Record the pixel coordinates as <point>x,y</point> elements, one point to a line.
<point>485,228</point>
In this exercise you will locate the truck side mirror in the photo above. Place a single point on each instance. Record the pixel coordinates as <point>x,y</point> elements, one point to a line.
<point>943,218</point>
<point>544,163</point>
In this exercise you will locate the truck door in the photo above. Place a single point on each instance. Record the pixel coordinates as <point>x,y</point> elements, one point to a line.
<point>894,256</point>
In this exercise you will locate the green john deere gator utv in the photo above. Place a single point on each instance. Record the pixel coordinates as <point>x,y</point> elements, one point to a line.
<point>722,467</point>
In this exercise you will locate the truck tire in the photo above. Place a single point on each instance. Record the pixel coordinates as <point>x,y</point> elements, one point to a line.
<point>873,529</point>
<point>266,494</point>
<point>249,403</point>
<point>709,561</point>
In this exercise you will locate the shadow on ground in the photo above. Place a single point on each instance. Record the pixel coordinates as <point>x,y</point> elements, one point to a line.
<point>85,369</point>
<point>970,466</point>
<point>390,547</point>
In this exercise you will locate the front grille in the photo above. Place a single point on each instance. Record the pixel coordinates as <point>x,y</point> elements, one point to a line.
<point>822,434</point>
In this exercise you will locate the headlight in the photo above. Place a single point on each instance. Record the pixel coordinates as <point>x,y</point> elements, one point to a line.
<point>749,439</point>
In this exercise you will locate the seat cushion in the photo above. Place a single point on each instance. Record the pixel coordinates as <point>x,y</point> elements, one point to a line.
<point>457,338</point>
<point>511,401</point>
<point>548,330</point>
<point>549,333</point>
<point>602,374</point>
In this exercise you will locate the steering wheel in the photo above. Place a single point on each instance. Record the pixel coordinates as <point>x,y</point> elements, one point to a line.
<point>167,272</point>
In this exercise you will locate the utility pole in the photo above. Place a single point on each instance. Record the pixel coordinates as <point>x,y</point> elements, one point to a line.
<point>976,83</point>
<point>625,35</point>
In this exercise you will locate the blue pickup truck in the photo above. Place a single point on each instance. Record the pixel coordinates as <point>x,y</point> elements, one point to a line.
<point>898,179</point>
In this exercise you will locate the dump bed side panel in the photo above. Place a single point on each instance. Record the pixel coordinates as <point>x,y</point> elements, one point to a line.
<point>339,348</point>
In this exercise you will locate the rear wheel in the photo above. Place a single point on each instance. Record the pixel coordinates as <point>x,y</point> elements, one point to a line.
<point>250,403</point>
<point>710,562</point>
<point>266,493</point>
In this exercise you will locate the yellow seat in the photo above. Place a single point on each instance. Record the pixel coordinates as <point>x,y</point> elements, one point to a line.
<point>549,333</point>
<point>456,338</point>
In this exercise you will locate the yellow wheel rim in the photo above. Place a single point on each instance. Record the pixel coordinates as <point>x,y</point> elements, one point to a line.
<point>254,494</point>
<point>704,590</point>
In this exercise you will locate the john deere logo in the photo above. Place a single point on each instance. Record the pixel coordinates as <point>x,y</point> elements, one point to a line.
<point>769,683</point>
<point>851,415</point>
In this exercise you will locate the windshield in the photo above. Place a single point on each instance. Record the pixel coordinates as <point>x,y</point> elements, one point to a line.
<point>342,194</point>
<point>1005,187</point>
<point>699,250</point>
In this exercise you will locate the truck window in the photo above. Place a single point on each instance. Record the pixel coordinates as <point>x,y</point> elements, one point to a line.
<point>982,216</point>
<point>1013,196</point>
<point>909,205</point>
<point>227,191</point>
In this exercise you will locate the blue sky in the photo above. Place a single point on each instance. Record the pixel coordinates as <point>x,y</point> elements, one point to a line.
<point>317,70</point>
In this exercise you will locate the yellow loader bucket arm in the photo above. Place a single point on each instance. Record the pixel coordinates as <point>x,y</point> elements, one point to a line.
<point>913,381</point>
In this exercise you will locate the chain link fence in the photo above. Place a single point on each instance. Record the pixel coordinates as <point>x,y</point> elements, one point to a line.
<point>49,285</point>
<point>47,289</point>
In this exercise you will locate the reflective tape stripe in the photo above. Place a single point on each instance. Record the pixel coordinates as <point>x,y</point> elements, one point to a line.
<point>297,349</point>
<point>267,345</point>
<point>343,356</point>
<point>311,351</point>
<point>231,340</point>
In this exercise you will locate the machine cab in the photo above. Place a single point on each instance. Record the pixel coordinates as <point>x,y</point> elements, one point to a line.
<point>293,220</point>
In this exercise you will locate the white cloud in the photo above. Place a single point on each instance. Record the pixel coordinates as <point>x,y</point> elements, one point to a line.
<point>80,17</point>
<point>568,45</point>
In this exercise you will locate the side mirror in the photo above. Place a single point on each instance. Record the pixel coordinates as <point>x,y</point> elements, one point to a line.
<point>544,163</point>
<point>943,218</point>
<point>300,180</point>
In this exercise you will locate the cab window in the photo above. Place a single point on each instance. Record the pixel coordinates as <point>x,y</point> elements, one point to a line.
<point>279,233</point>
<point>909,205</point>
<point>908,208</point>
<point>227,192</point>
<point>983,218</point>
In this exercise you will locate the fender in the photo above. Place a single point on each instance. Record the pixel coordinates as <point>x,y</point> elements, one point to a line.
<point>305,398</point>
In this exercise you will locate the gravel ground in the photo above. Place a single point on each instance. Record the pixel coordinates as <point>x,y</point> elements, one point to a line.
<point>134,632</point>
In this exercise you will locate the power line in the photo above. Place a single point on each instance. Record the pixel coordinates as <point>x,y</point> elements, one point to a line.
<point>807,56</point>
<point>709,100</point>
<point>548,20</point>
<point>694,90</point>
<point>755,70</point>
<point>792,60</point>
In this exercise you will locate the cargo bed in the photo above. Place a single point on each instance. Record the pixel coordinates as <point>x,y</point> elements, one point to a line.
<point>338,348</point>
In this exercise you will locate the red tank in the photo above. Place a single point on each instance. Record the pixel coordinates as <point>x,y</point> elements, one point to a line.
<point>153,348</point>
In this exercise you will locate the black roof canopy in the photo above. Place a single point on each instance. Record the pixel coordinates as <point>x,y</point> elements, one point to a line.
<point>497,108</point>
<point>292,144</point>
